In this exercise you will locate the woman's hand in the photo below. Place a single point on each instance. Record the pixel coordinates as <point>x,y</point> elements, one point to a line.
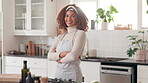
<point>63,54</point>
<point>58,61</point>
<point>53,50</point>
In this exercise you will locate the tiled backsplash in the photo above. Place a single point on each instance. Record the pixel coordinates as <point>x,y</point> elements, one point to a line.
<point>108,43</point>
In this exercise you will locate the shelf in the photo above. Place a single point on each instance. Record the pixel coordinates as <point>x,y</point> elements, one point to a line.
<point>20,4</point>
<point>37,4</point>
<point>19,18</point>
<point>37,17</point>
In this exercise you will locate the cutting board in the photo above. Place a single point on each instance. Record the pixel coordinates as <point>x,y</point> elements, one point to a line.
<point>10,78</point>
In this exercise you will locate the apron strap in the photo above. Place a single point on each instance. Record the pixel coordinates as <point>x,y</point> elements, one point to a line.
<point>74,37</point>
<point>62,36</point>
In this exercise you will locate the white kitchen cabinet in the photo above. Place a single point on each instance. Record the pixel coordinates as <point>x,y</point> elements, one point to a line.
<point>90,71</point>
<point>13,65</point>
<point>35,17</point>
<point>51,69</point>
<point>142,75</point>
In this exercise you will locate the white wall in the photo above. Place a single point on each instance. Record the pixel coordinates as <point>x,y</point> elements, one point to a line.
<point>9,41</point>
<point>61,4</point>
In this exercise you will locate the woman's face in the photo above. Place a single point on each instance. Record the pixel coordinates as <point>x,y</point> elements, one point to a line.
<point>70,18</point>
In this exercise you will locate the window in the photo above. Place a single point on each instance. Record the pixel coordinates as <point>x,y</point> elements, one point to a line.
<point>144,14</point>
<point>89,7</point>
<point>127,12</point>
<point>130,11</point>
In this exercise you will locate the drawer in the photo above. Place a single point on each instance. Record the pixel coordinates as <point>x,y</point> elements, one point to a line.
<point>14,61</point>
<point>12,70</point>
<point>37,63</point>
<point>142,71</point>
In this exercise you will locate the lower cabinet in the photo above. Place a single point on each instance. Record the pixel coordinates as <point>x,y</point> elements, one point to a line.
<point>90,71</point>
<point>142,76</point>
<point>13,65</point>
<point>44,67</point>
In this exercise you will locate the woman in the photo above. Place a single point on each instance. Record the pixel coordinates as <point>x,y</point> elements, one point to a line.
<point>69,46</point>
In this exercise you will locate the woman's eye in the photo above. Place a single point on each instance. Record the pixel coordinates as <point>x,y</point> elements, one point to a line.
<point>66,16</point>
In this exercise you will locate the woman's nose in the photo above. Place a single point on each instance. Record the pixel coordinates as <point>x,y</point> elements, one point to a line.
<point>69,18</point>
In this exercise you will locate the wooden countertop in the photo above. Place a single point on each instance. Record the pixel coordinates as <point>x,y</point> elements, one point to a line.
<point>10,78</point>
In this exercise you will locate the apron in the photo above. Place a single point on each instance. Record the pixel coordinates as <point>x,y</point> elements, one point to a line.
<point>69,70</point>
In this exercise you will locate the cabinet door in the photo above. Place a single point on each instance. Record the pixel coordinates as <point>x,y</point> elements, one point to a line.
<point>20,15</point>
<point>90,71</point>
<point>35,17</point>
<point>142,80</point>
<point>142,75</point>
<point>142,70</point>
<point>38,66</point>
<point>13,65</point>
<point>51,69</point>
<point>12,70</point>
<point>39,72</point>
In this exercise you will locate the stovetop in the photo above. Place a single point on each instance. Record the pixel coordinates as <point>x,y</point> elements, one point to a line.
<point>104,58</point>
<point>55,80</point>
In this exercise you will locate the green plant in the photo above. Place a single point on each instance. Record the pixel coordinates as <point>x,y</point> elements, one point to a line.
<point>106,15</point>
<point>136,43</point>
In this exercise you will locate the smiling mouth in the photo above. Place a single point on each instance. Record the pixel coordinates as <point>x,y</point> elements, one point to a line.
<point>69,22</point>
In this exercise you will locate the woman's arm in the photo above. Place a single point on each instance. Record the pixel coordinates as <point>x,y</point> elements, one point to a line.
<point>77,48</point>
<point>52,54</point>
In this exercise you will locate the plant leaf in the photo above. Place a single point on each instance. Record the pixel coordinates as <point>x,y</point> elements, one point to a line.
<point>113,9</point>
<point>140,31</point>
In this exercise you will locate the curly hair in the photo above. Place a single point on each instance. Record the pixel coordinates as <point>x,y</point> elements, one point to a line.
<point>82,20</point>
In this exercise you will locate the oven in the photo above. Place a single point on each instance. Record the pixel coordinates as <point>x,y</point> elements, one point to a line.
<point>117,74</point>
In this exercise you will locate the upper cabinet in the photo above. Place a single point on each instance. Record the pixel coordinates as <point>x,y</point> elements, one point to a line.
<point>35,17</point>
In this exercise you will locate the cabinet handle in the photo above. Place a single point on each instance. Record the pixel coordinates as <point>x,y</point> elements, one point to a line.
<point>35,63</point>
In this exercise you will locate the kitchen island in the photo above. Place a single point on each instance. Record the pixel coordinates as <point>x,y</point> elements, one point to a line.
<point>10,78</point>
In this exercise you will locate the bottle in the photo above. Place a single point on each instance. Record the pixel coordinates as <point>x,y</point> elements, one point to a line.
<point>30,47</point>
<point>24,72</point>
<point>29,79</point>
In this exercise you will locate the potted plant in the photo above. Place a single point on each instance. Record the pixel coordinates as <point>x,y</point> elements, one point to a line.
<point>137,46</point>
<point>106,16</point>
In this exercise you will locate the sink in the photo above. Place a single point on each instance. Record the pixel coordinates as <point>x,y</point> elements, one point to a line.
<point>104,58</point>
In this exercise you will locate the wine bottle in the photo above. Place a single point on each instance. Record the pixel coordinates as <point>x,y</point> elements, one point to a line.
<point>29,79</point>
<point>24,72</point>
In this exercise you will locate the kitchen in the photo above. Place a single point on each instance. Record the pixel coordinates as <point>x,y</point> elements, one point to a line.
<point>107,43</point>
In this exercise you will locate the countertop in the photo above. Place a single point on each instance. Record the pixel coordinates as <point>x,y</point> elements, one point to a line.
<point>29,56</point>
<point>124,62</point>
